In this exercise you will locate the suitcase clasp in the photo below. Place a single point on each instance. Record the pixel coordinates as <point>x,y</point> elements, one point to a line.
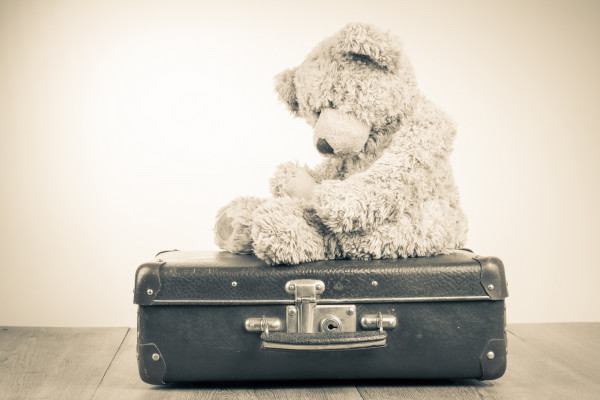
<point>378,321</point>
<point>306,293</point>
<point>306,316</point>
<point>263,324</point>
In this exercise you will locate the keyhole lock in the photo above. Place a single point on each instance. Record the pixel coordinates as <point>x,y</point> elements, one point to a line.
<point>331,323</point>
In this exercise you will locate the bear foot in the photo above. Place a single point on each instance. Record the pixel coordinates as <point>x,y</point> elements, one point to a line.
<point>281,234</point>
<point>233,225</point>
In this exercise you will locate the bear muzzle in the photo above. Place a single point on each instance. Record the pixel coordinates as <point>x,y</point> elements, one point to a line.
<point>338,133</point>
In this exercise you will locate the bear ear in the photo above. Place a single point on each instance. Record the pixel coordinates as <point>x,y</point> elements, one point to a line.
<point>284,86</point>
<point>365,41</point>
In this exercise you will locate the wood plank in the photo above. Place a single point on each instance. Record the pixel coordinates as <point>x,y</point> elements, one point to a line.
<point>426,390</point>
<point>545,361</point>
<point>572,344</point>
<point>55,363</point>
<point>552,361</point>
<point>123,382</point>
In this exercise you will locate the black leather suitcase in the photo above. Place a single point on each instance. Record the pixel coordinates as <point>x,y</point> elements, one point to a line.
<point>226,317</point>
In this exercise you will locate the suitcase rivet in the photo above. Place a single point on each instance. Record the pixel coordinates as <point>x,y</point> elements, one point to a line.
<point>490,287</point>
<point>318,286</point>
<point>155,357</point>
<point>150,292</point>
<point>349,311</point>
<point>374,283</point>
<point>234,283</point>
<point>490,355</point>
<point>292,311</point>
<point>292,287</point>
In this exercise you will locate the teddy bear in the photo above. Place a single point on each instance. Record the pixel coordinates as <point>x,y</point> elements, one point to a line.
<point>384,188</point>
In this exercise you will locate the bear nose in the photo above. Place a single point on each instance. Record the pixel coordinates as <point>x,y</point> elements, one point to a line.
<point>324,147</point>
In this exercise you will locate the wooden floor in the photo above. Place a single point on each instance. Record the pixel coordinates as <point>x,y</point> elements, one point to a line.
<point>545,361</point>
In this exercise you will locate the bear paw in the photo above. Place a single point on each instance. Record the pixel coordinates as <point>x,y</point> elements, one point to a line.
<point>290,179</point>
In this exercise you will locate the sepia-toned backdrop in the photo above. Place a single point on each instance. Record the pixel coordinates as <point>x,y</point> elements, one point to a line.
<point>125,125</point>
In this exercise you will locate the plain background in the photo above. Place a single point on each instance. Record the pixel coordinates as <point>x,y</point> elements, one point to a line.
<point>125,125</point>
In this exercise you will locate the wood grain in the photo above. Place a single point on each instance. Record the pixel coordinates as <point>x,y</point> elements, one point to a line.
<point>570,344</point>
<point>123,382</point>
<point>551,361</point>
<point>425,390</point>
<point>55,363</point>
<point>545,361</point>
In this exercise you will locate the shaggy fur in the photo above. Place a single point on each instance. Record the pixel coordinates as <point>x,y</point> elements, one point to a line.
<point>385,187</point>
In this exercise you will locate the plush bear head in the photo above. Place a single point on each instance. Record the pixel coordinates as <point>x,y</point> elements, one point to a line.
<point>354,88</point>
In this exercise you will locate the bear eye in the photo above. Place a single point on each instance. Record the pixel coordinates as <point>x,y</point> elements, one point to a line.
<point>331,105</point>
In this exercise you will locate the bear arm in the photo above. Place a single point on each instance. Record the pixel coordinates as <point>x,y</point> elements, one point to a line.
<point>282,180</point>
<point>326,170</point>
<point>367,199</point>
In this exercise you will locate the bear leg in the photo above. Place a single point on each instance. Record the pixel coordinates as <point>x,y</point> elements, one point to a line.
<point>431,229</point>
<point>283,232</point>
<point>233,225</point>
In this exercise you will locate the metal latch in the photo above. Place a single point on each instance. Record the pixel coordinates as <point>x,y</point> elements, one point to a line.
<point>378,321</point>
<point>306,292</point>
<point>263,324</point>
<point>306,316</point>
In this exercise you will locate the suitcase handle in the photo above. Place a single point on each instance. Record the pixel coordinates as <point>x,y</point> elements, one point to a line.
<point>323,341</point>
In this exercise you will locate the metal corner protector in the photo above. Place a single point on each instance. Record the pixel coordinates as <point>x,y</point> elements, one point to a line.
<point>147,283</point>
<point>493,278</point>
<point>151,364</point>
<point>493,359</point>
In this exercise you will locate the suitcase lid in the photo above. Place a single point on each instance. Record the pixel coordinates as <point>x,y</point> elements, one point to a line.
<point>196,277</point>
